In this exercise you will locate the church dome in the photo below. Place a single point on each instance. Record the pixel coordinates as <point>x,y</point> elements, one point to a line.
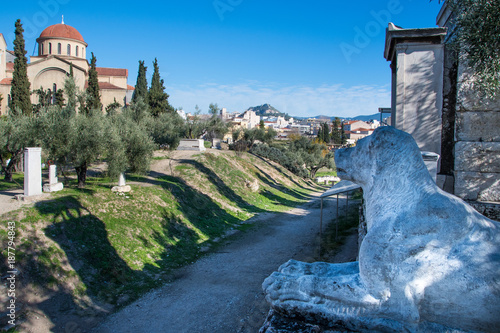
<point>61,30</point>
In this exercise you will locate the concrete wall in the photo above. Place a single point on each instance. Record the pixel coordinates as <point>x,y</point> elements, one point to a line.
<point>108,96</point>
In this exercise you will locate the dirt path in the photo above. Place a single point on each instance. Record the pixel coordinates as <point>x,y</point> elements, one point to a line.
<point>222,292</point>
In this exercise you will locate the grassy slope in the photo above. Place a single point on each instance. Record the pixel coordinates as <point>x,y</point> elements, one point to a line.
<point>93,246</point>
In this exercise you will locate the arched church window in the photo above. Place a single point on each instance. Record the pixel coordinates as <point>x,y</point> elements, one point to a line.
<point>54,89</point>
<point>50,48</point>
<point>76,52</point>
<point>59,48</point>
<point>69,49</point>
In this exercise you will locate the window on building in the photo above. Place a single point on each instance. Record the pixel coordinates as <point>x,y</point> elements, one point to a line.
<point>69,49</point>
<point>59,48</point>
<point>50,48</point>
<point>41,46</point>
<point>76,52</point>
<point>54,90</point>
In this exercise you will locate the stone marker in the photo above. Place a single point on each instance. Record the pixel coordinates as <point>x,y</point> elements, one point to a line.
<point>428,263</point>
<point>32,171</point>
<point>122,187</point>
<point>53,185</point>
<point>216,144</point>
<point>192,144</point>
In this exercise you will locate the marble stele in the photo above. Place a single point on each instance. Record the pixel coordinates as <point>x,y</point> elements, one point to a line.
<point>429,261</point>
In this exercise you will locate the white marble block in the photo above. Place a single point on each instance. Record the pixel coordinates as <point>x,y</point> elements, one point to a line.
<point>122,187</point>
<point>53,185</point>
<point>32,171</point>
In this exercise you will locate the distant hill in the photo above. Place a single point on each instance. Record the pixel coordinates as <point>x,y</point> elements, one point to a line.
<point>267,110</point>
<point>375,116</point>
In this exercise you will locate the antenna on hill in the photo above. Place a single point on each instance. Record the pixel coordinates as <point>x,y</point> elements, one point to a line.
<point>62,20</point>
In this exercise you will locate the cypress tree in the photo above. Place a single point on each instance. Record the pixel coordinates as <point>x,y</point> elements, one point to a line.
<point>336,136</point>
<point>157,97</point>
<point>20,90</point>
<point>93,93</point>
<point>326,133</point>
<point>320,133</point>
<point>343,136</point>
<point>141,86</point>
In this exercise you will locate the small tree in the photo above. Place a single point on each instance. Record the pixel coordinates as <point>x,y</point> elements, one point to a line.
<point>141,86</point>
<point>215,126</point>
<point>343,136</point>
<point>44,99</point>
<point>138,111</point>
<point>59,98</point>
<point>320,134</point>
<point>336,131</point>
<point>71,92</point>
<point>477,39</point>
<point>112,108</point>
<point>129,147</point>
<point>195,127</point>
<point>262,125</point>
<point>167,130</point>
<point>157,97</point>
<point>314,155</point>
<point>17,131</point>
<point>20,90</point>
<point>93,98</point>
<point>56,125</point>
<point>324,133</point>
<point>88,142</point>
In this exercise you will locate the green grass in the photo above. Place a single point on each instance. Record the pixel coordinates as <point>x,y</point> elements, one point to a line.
<point>17,183</point>
<point>323,173</point>
<point>112,248</point>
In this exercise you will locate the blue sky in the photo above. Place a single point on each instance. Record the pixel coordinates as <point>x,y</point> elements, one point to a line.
<point>305,58</point>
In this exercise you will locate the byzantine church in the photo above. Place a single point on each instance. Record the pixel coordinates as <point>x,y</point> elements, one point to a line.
<point>59,46</point>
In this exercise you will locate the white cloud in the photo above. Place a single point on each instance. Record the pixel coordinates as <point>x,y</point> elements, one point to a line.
<point>330,100</point>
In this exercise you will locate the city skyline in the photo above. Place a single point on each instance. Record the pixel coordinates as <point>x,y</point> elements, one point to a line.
<point>305,60</point>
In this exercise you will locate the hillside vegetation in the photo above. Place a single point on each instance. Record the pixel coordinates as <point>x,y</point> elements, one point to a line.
<point>87,251</point>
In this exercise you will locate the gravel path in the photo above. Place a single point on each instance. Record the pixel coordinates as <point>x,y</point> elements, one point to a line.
<point>8,201</point>
<point>222,292</point>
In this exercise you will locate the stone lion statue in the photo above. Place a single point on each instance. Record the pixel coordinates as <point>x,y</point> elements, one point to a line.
<point>429,261</point>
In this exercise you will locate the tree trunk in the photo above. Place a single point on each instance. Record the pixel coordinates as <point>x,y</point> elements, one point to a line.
<point>66,180</point>
<point>81,172</point>
<point>9,168</point>
<point>8,175</point>
<point>312,172</point>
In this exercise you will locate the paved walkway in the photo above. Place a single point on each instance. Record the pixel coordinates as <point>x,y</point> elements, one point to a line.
<point>8,201</point>
<point>222,292</point>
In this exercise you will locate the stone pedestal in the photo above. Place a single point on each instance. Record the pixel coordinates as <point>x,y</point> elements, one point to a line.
<point>191,144</point>
<point>32,171</point>
<point>122,187</point>
<point>53,185</point>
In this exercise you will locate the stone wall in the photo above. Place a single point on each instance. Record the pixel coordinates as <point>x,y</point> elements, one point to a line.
<point>477,144</point>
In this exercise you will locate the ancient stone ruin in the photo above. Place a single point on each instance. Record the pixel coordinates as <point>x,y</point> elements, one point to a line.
<point>429,261</point>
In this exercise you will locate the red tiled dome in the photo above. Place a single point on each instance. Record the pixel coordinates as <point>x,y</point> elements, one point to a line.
<point>61,30</point>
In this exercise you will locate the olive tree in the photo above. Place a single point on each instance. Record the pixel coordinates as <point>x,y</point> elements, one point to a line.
<point>17,131</point>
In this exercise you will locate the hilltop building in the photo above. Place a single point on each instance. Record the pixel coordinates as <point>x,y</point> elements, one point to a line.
<point>59,46</point>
